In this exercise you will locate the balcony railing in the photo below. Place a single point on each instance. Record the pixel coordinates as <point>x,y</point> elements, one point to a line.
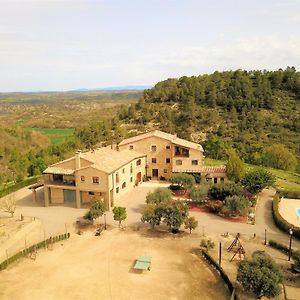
<point>62,182</point>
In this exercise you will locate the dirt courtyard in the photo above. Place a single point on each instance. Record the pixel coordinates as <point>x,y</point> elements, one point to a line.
<point>91,267</point>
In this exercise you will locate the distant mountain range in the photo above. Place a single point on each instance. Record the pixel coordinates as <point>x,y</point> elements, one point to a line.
<point>117,88</point>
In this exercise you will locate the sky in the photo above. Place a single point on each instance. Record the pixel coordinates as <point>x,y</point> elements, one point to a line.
<point>63,45</point>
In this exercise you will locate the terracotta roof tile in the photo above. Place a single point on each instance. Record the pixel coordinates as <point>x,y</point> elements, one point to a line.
<point>167,136</point>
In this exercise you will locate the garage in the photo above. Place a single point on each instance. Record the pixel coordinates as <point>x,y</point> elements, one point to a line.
<point>70,196</point>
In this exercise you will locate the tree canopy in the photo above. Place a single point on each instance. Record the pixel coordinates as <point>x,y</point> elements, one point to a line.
<point>235,167</point>
<point>256,180</point>
<point>260,276</point>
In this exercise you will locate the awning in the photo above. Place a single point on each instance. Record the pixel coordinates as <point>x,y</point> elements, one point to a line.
<point>202,169</point>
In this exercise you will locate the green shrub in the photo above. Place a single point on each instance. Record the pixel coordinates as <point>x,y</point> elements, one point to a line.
<point>280,221</point>
<point>222,190</point>
<point>199,194</point>
<point>236,206</point>
<point>184,180</point>
<point>257,179</point>
<point>215,206</point>
<point>159,195</point>
<point>207,244</point>
<point>279,246</point>
<point>261,276</point>
<point>290,194</point>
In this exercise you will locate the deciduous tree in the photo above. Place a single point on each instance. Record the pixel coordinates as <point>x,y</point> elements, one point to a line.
<point>159,195</point>
<point>119,214</point>
<point>256,180</point>
<point>8,204</point>
<point>260,276</point>
<point>191,223</point>
<point>235,167</point>
<point>97,210</point>
<point>184,180</point>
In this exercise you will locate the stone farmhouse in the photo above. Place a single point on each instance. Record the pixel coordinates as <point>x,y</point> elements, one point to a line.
<point>98,174</point>
<point>168,154</point>
<point>107,174</point>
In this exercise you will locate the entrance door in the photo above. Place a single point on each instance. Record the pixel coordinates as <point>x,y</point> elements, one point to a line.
<point>154,172</point>
<point>139,177</point>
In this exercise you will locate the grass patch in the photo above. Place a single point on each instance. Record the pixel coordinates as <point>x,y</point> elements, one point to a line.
<point>56,135</point>
<point>285,180</point>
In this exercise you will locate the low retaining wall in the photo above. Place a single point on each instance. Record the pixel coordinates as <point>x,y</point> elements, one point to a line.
<point>222,273</point>
<point>33,248</point>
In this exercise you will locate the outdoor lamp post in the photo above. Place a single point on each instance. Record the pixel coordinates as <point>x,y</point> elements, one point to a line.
<point>105,221</point>
<point>291,237</point>
<point>265,236</point>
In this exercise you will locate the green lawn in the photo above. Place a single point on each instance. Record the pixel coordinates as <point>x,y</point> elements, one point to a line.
<point>56,135</point>
<point>285,180</point>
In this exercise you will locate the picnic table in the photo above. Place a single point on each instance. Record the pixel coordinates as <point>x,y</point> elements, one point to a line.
<point>143,263</point>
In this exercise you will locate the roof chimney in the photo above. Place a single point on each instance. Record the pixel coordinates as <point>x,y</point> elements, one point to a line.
<point>77,159</point>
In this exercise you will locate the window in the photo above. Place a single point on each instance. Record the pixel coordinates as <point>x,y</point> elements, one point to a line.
<point>96,180</point>
<point>117,178</point>
<point>123,185</point>
<point>117,190</point>
<point>154,160</point>
<point>222,179</point>
<point>131,179</point>
<point>195,162</point>
<point>91,193</point>
<point>168,160</point>
<point>123,171</point>
<point>167,147</point>
<point>131,147</point>
<point>215,180</point>
<point>178,162</point>
<point>131,169</point>
<point>153,148</point>
<point>138,162</point>
<point>82,178</point>
<point>165,171</point>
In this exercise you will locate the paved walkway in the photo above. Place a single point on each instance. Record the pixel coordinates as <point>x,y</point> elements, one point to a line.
<point>56,219</point>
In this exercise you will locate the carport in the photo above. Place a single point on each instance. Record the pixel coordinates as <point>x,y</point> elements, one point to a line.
<point>33,188</point>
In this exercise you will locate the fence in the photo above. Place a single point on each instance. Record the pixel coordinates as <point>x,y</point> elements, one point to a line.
<point>224,276</point>
<point>19,185</point>
<point>31,249</point>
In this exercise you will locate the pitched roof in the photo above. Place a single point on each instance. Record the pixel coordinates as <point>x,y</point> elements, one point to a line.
<point>59,171</point>
<point>108,160</point>
<point>167,136</point>
<point>103,159</point>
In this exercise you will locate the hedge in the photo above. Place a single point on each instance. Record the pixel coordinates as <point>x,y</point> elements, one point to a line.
<point>33,248</point>
<point>280,221</point>
<point>281,247</point>
<point>224,276</point>
<point>19,185</point>
<point>290,194</point>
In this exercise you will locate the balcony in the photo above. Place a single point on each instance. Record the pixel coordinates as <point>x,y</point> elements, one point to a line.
<point>61,180</point>
<point>181,152</point>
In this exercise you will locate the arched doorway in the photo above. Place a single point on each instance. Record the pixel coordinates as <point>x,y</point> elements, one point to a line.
<point>138,177</point>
